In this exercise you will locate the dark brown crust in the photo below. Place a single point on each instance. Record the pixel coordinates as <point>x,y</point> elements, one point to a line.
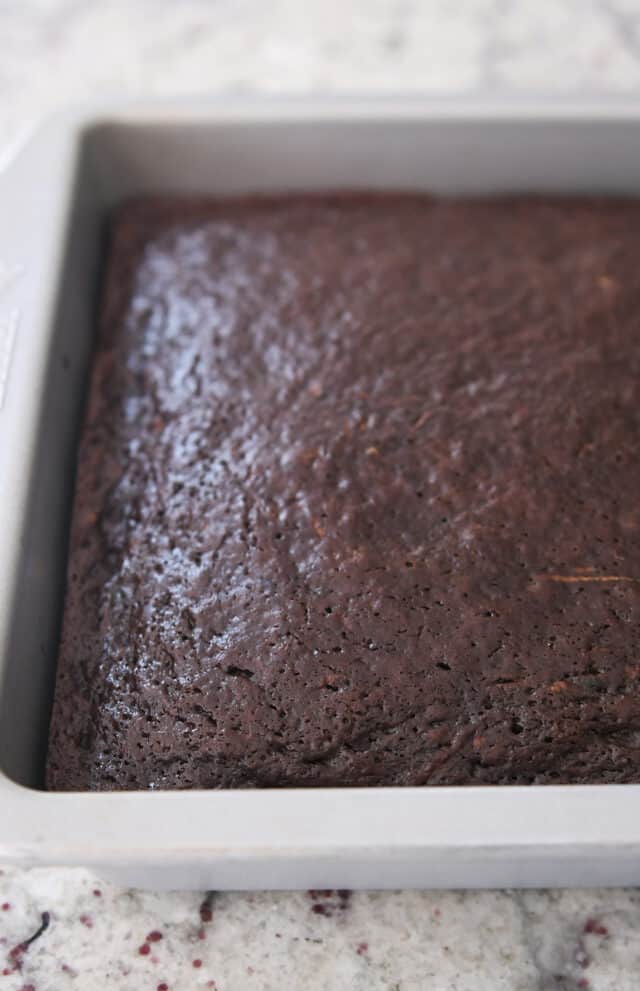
<point>357,499</point>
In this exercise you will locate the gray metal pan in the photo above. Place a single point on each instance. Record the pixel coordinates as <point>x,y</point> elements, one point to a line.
<point>53,198</point>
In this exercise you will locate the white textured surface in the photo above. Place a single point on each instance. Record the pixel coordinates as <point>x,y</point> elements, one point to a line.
<point>57,51</point>
<point>381,941</point>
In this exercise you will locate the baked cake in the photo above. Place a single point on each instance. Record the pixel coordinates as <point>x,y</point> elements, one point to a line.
<point>357,499</point>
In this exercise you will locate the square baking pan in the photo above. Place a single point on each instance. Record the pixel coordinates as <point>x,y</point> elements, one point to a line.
<point>54,196</point>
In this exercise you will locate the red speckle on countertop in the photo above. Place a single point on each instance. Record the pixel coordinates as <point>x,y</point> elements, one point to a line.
<point>97,892</point>
<point>7,971</point>
<point>86,920</point>
<point>154,936</point>
<point>361,949</point>
<point>66,969</point>
<point>144,950</point>
<point>583,983</point>
<point>206,912</point>
<point>162,987</point>
<point>596,927</point>
<point>211,984</point>
<point>6,906</point>
<point>27,987</point>
<point>197,963</point>
<point>327,901</point>
<point>16,955</point>
<point>202,934</point>
<point>437,913</point>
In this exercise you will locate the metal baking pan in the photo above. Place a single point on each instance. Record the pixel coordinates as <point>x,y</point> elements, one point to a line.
<point>53,199</point>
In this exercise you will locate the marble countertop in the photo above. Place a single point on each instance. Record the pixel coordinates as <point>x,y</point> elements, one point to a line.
<point>103,937</point>
<point>89,935</point>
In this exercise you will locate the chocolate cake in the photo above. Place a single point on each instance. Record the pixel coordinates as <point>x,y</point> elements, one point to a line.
<point>357,499</point>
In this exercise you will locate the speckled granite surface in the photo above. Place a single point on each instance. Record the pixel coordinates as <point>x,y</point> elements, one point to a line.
<point>102,937</point>
<point>57,51</point>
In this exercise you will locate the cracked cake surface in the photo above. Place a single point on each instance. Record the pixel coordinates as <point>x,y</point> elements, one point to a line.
<point>357,497</point>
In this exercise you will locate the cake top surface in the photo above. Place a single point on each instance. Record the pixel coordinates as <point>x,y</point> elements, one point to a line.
<point>357,497</point>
